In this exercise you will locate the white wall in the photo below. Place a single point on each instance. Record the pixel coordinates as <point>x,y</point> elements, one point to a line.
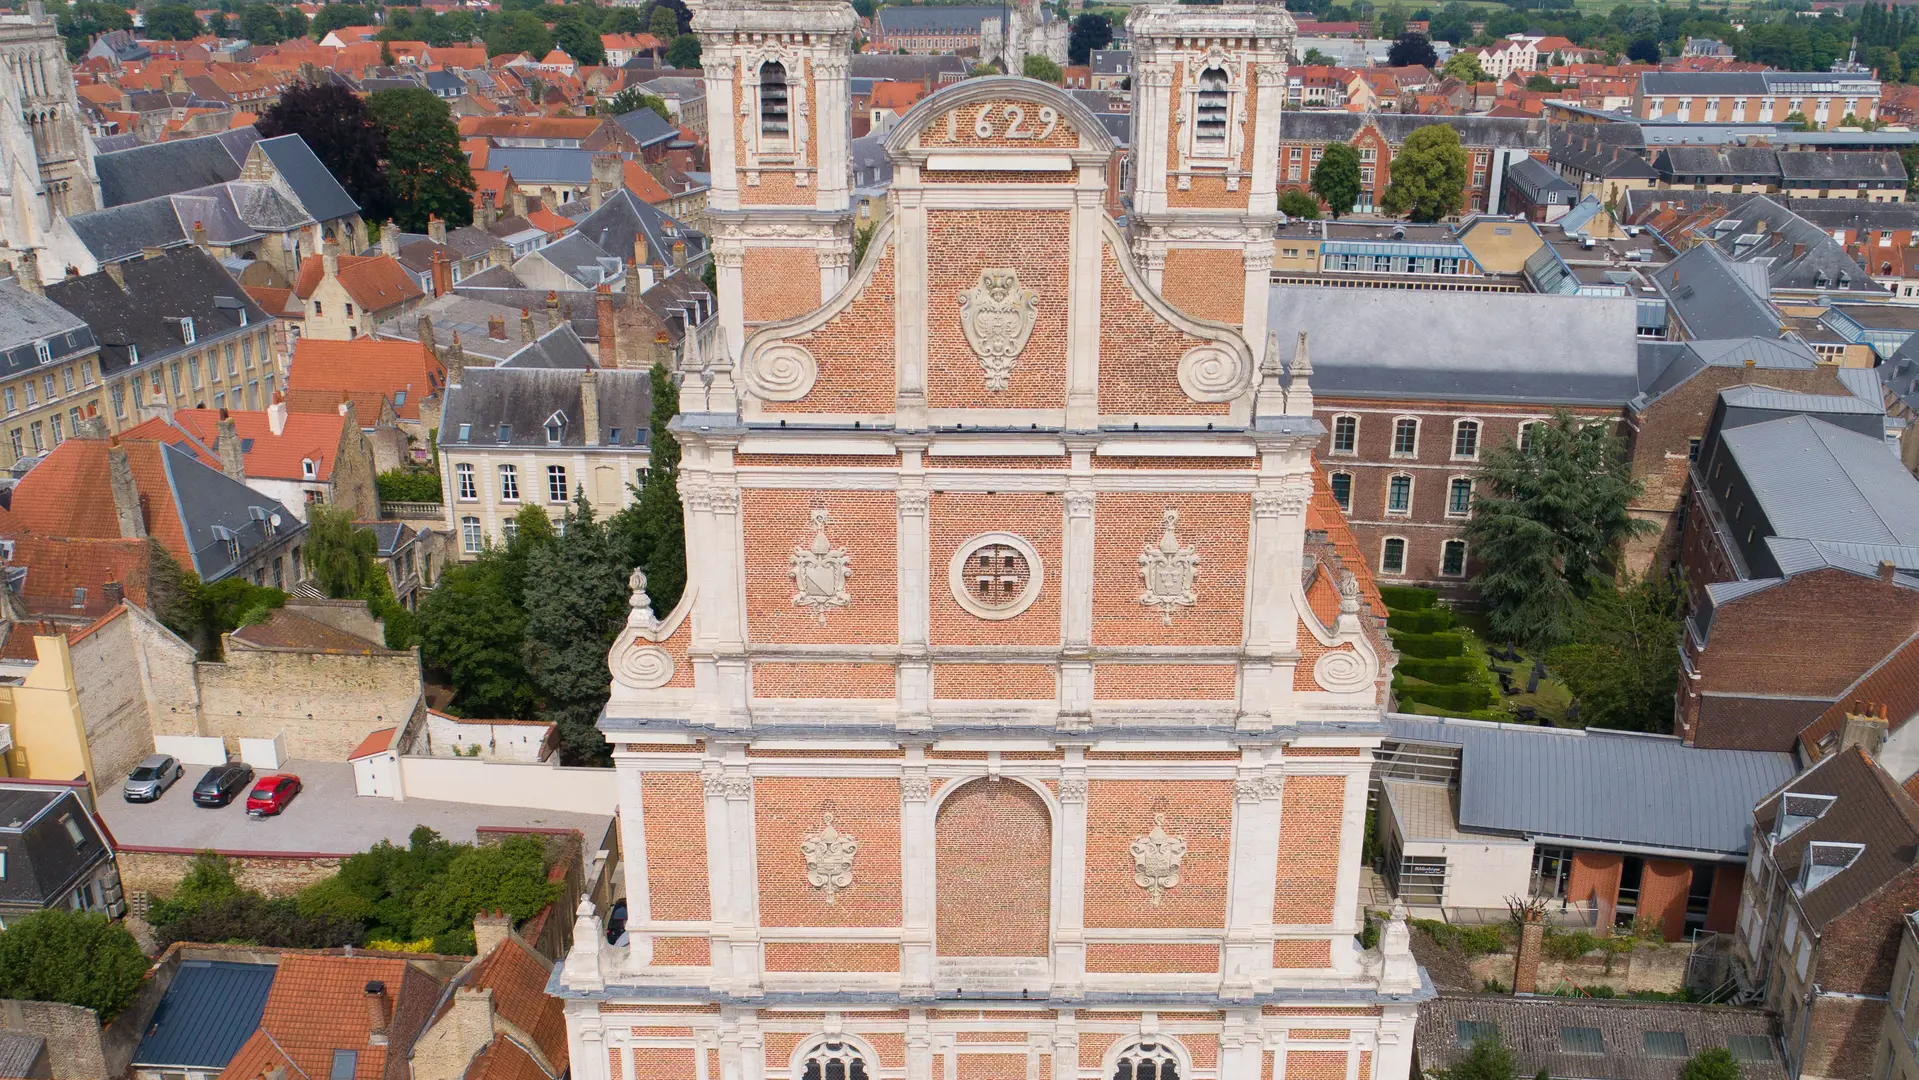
<point>447,736</point>
<point>192,749</point>
<point>1480,874</point>
<point>266,754</point>
<point>510,783</point>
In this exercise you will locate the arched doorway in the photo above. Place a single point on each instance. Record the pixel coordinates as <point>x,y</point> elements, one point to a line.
<point>993,879</point>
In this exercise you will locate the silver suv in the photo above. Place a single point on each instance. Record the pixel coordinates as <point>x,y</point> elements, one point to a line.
<point>151,778</point>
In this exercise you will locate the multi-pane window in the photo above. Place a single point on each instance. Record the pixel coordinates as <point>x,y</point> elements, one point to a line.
<point>556,483</point>
<point>470,539</point>
<point>833,1059</point>
<point>66,377</point>
<point>1405,437</point>
<point>510,483</point>
<point>1392,556</point>
<point>1345,434</point>
<point>1399,494</point>
<point>39,437</point>
<point>1459,496</point>
<point>59,430</point>
<point>1342,485</point>
<point>463,475</point>
<point>16,437</point>
<point>1526,435</point>
<point>12,405</point>
<point>233,369</point>
<point>1147,1061</point>
<point>1466,439</point>
<point>1452,558</point>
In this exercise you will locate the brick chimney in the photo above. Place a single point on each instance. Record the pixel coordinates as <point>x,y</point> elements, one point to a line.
<point>1864,727</point>
<point>641,257</point>
<point>115,592</point>
<point>490,928</point>
<point>455,361</point>
<point>679,254</point>
<point>496,327</point>
<point>526,326</point>
<point>442,273</point>
<point>277,414</point>
<point>1532,942</point>
<point>126,494</point>
<point>232,460</point>
<point>608,327</point>
<point>590,405</point>
<point>436,228</point>
<point>389,239</point>
<point>377,1013</point>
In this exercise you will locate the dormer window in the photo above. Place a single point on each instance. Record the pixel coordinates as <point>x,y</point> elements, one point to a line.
<point>309,468</point>
<point>555,427</point>
<point>186,330</point>
<point>1210,111</point>
<point>1824,861</point>
<point>466,431</point>
<point>133,353</point>
<point>1798,810</point>
<point>774,113</point>
<point>506,433</point>
<point>43,350</point>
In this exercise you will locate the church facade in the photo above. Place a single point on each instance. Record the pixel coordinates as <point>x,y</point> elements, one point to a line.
<point>46,155</point>
<point>1017,718</point>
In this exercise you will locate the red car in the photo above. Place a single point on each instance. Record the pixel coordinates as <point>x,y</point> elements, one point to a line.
<point>272,794</point>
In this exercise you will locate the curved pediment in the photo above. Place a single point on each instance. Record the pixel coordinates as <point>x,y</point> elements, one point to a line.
<point>995,116</point>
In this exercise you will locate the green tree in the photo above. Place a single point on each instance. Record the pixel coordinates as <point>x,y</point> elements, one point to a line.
<point>1429,175</point>
<point>580,40</point>
<point>471,628</point>
<point>74,957</point>
<point>172,22</point>
<point>663,25</point>
<point>1547,522</point>
<point>79,23</point>
<point>261,24</point>
<point>1315,58</point>
<point>293,23</point>
<point>863,239</point>
<point>1486,1059</point>
<point>1799,119</point>
<point>516,32</point>
<point>1465,67</point>
<point>1453,23</point>
<point>1716,1063</point>
<point>1622,660</point>
<point>1909,157</point>
<point>570,624</point>
<point>684,52</point>
<point>1391,22</point>
<point>339,557</point>
<point>1336,178</point>
<point>334,16</point>
<point>650,531</point>
<point>1042,68</point>
<point>336,123</point>
<point>509,877</point>
<point>1643,50</point>
<point>1411,50</point>
<point>425,165</point>
<point>209,881</point>
<point>173,593</point>
<point>1091,30</point>
<point>633,99</point>
<point>1541,84</point>
<point>1298,204</point>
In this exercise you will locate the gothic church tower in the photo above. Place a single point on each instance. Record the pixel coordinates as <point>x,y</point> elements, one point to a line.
<point>46,156</point>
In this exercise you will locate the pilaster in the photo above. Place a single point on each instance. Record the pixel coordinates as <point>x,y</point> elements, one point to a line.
<point>1076,615</point>
<point>914,682</point>
<point>1255,866</point>
<point>1069,939</point>
<point>909,325</point>
<point>639,903</point>
<point>1083,326</point>
<point>917,840</point>
<point>719,881</point>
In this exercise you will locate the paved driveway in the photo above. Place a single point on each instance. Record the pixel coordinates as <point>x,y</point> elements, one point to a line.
<point>326,818</point>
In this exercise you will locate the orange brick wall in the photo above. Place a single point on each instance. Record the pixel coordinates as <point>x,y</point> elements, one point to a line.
<point>992,1066</point>
<point>955,517</point>
<point>1139,353</point>
<point>1216,525</point>
<point>994,681</point>
<point>682,951</point>
<point>779,282</point>
<point>780,680</point>
<point>1165,682</point>
<point>1206,283</point>
<point>1662,894</point>
<point>1316,1065</point>
<point>1302,954</point>
<point>673,806</point>
<point>1152,959</point>
<point>992,871</point>
<point>1309,849</point>
<point>961,244</point>
<point>787,809</point>
<point>1594,871</point>
<point>854,351</point>
<point>1118,812</point>
<point>831,956</point>
<point>864,523</point>
<point>662,1063</point>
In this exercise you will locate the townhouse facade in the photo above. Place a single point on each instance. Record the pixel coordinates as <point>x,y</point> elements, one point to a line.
<point>1490,142</point>
<point>1824,99</point>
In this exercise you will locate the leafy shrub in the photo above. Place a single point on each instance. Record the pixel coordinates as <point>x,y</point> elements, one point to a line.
<point>1407,597</point>
<point>1429,646</point>
<point>1423,621</point>
<point>253,919</point>
<point>208,882</point>
<point>73,957</point>
<point>401,485</point>
<point>1467,696</point>
<point>1447,671</point>
<point>1567,946</point>
<point>431,889</point>
<point>1471,940</point>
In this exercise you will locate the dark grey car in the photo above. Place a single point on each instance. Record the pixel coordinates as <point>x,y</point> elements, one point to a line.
<point>151,778</point>
<point>222,784</point>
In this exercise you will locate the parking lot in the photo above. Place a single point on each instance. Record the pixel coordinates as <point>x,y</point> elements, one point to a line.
<point>325,818</point>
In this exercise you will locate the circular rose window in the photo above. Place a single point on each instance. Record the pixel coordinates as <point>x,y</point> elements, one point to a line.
<point>995,575</point>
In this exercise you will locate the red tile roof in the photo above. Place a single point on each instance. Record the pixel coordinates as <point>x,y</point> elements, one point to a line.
<point>1891,685</point>
<point>376,743</point>
<point>366,371</point>
<point>68,495</point>
<point>517,976</point>
<point>897,96</point>
<point>529,127</point>
<point>549,222</point>
<point>318,1005</point>
<point>307,436</point>
<point>375,282</point>
<point>56,566</point>
<point>286,629</point>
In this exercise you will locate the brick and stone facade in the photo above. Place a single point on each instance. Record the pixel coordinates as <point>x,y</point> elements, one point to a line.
<point>1012,725</point>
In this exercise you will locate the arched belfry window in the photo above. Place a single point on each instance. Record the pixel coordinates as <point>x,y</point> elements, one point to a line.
<point>833,1059</point>
<point>1148,1061</point>
<point>1209,112</point>
<point>774,113</point>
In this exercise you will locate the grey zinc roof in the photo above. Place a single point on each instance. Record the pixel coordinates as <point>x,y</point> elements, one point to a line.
<point>163,168</point>
<point>1814,480</point>
<point>1703,82</point>
<point>558,349</point>
<point>1649,791</point>
<point>211,1009</point>
<point>1534,179</point>
<point>525,398</point>
<point>1111,61</point>
<point>1815,165</point>
<point>1762,399</point>
<point>1712,299</point>
<point>1570,350</point>
<point>646,127</point>
<point>543,164</point>
<point>319,192</point>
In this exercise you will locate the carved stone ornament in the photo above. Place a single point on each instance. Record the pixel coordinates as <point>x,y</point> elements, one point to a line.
<point>636,661</point>
<point>783,371</point>
<point>1213,373</point>
<point>829,858</point>
<point>819,572</point>
<point>1170,572</point>
<point>1156,858</point>
<point>1342,671</point>
<point>997,316</point>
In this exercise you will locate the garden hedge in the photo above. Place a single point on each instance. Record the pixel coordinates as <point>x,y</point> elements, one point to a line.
<point>1421,621</point>
<point>1466,696</point>
<point>1407,597</point>
<point>1429,646</point>
<point>1447,671</point>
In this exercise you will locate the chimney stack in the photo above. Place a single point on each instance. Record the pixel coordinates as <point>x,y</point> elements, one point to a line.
<point>390,239</point>
<point>200,235</point>
<point>590,405</point>
<point>126,494</point>
<point>496,327</point>
<point>426,334</point>
<point>499,254</point>
<point>232,461</point>
<point>608,330</point>
<point>436,228</point>
<point>26,272</point>
<point>490,928</point>
<point>330,258</point>
<point>376,1013</point>
<point>115,591</point>
<point>152,251</point>
<point>640,255</point>
<point>277,414</point>
<point>526,326</point>
<point>1532,944</point>
<point>472,1022</point>
<point>1864,727</point>
<point>442,273</point>
<point>455,361</point>
<point>117,273</point>
<point>679,254</point>
<point>1886,570</point>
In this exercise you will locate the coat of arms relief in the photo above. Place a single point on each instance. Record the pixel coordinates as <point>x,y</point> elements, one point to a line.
<point>820,571</point>
<point>829,858</point>
<point>1170,572</point>
<point>1156,858</point>
<point>997,316</point>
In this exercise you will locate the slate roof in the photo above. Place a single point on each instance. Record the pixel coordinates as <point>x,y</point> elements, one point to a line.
<point>231,213</point>
<point>952,19</point>
<point>1734,163</point>
<point>1601,150</point>
<point>1802,168</point>
<point>1814,480</point>
<point>1869,809</point>
<point>557,349</point>
<point>1537,182</point>
<point>1570,350</point>
<point>1795,253</point>
<point>206,1015</point>
<point>20,1051</point>
<point>26,319</point>
<point>893,66</point>
<point>44,865</point>
<point>163,168</point>
<point>183,282</point>
<point>646,127</point>
<point>580,259</point>
<point>1712,298</point>
<point>622,216</point>
<point>1533,1029</point>
<point>318,191</point>
<point>1562,783</point>
<point>524,399</point>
